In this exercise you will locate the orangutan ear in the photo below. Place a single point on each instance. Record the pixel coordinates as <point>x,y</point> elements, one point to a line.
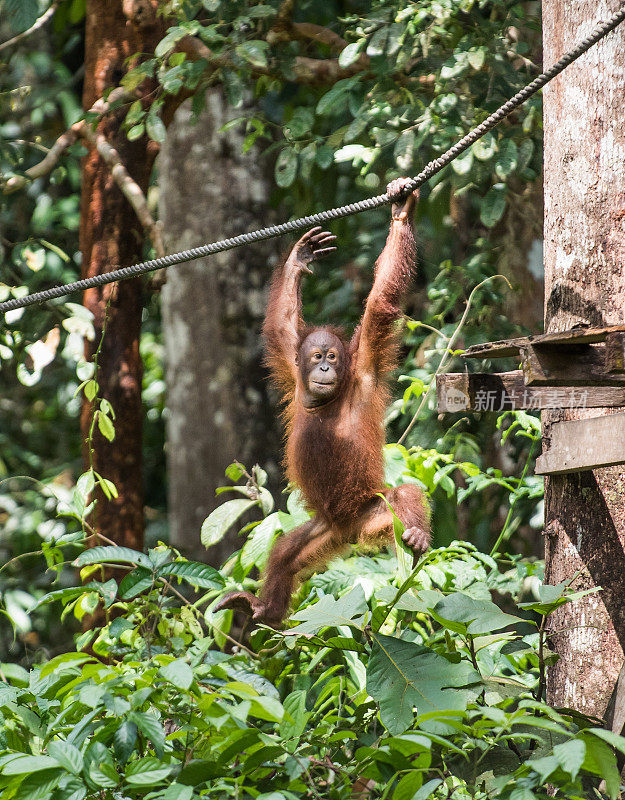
<point>297,360</point>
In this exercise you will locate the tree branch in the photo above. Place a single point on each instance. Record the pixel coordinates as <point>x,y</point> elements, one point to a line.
<point>128,186</point>
<point>38,23</point>
<point>65,140</point>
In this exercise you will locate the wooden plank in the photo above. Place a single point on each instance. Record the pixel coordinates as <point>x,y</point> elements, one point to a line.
<point>506,348</point>
<point>587,366</point>
<point>583,444</point>
<point>502,391</point>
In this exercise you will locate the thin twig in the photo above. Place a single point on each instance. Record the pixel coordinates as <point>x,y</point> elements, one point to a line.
<point>65,140</point>
<point>38,23</point>
<point>128,186</point>
<point>447,354</point>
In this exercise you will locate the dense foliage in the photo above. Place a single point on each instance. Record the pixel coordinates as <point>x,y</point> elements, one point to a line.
<point>389,682</point>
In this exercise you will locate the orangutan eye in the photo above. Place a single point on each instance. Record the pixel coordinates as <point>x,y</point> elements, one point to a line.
<point>331,356</point>
<point>317,356</point>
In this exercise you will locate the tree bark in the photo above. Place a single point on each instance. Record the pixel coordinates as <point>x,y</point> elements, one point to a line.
<point>218,408</point>
<point>110,237</point>
<point>585,283</point>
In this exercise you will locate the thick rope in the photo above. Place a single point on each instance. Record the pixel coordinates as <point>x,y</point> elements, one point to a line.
<point>334,213</point>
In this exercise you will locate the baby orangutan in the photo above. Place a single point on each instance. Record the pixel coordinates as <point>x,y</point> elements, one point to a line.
<point>336,393</point>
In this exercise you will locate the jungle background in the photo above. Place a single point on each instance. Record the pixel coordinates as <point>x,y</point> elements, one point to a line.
<point>227,117</point>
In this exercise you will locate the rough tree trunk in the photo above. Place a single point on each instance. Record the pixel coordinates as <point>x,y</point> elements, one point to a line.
<point>217,404</point>
<point>584,282</point>
<point>110,237</point>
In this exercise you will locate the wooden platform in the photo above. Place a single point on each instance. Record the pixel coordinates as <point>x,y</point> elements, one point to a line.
<point>576,369</point>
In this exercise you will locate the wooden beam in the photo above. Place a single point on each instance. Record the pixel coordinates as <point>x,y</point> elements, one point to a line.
<point>585,365</point>
<point>506,348</point>
<point>581,444</point>
<point>502,391</point>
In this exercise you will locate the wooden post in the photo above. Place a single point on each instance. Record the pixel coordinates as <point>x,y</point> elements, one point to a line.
<point>585,283</point>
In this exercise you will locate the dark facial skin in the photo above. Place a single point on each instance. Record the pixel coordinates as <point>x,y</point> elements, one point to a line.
<point>321,361</point>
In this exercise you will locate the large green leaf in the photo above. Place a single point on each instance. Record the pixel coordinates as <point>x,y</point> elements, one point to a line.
<point>218,522</point>
<point>151,727</point>
<point>286,167</point>
<point>329,611</point>
<point>147,772</point>
<point>463,614</point>
<point>23,765</point>
<point>570,756</point>
<point>67,755</point>
<point>493,205</point>
<point>135,582</point>
<point>112,554</point>
<point>20,14</point>
<point>40,785</point>
<point>195,573</point>
<point>403,675</point>
<point>256,549</point>
<point>179,673</point>
<point>124,740</point>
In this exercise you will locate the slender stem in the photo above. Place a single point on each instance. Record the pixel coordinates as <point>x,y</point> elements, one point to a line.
<point>447,354</point>
<point>541,660</point>
<point>501,536</point>
<point>38,23</point>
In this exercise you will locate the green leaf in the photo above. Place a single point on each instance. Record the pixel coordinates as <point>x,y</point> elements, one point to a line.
<point>105,424</point>
<point>506,159</point>
<point>427,789</point>
<point>476,57</point>
<point>21,14</point>
<point>178,791</point>
<point>64,660</point>
<point>152,728</point>
<point>136,132</point>
<point>552,597</point>
<point>124,740</point>
<point>216,525</point>
<point>179,673</point>
<point>168,42</point>
<point>40,785</point>
<point>155,128</point>
<point>256,549</point>
<point>350,54</point>
<point>296,716</point>
<point>301,123</point>
<point>67,755</point>
<point>286,167</point>
<point>329,611</point>
<point>610,737</point>
<point>135,582</point>
<point>405,150</point>
<point>195,573</point>
<point>402,675</point>
<point>255,52</point>
<point>463,164</point>
<point>147,772</point>
<point>235,471</point>
<point>485,148</point>
<point>23,765</point>
<point>471,615</point>
<point>600,760</point>
<point>111,554</point>
<point>570,756</point>
<point>493,205</point>
<point>335,99</point>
